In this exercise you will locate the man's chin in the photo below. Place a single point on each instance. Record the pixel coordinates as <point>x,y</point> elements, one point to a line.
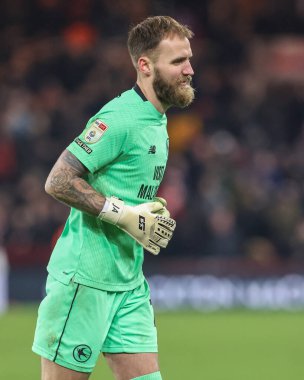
<point>181,96</point>
<point>186,97</point>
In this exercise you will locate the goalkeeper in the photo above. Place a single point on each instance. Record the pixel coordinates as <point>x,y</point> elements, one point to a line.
<point>98,300</point>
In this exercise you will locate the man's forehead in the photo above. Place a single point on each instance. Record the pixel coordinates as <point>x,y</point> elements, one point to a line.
<point>175,45</point>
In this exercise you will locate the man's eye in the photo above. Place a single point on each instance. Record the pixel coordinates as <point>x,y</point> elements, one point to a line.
<point>179,62</point>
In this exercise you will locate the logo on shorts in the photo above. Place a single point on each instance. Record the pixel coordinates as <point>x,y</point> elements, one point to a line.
<point>82,353</point>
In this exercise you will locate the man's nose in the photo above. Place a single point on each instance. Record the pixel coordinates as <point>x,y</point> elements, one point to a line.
<point>188,70</point>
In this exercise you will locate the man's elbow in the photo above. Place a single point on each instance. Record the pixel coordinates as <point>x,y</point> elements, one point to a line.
<point>49,188</point>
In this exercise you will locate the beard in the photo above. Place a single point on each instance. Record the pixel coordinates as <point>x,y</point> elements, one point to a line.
<point>173,94</point>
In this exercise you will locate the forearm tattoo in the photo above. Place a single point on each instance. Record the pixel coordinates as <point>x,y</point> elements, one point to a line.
<point>65,183</point>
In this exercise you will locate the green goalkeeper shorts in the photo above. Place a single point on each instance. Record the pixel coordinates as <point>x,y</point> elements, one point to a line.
<point>75,323</point>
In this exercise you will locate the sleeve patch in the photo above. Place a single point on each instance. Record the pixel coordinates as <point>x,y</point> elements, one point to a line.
<point>95,131</point>
<point>83,145</point>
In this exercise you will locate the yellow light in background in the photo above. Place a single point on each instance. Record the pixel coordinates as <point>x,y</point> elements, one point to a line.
<point>182,129</point>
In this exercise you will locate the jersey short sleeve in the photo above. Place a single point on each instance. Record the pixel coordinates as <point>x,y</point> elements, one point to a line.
<point>101,142</point>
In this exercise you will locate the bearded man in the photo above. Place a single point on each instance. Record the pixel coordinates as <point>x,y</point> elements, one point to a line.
<point>98,300</point>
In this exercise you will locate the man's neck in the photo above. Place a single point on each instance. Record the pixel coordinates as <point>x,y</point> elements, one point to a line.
<point>149,93</point>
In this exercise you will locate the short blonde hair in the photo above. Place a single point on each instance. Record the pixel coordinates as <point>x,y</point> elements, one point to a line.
<point>144,37</point>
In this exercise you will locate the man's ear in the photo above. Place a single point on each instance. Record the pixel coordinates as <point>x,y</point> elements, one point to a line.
<point>144,65</point>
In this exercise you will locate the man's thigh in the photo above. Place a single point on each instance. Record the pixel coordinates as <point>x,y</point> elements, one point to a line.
<point>53,371</point>
<point>129,366</point>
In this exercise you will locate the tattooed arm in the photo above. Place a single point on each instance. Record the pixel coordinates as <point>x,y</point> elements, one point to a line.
<point>65,183</point>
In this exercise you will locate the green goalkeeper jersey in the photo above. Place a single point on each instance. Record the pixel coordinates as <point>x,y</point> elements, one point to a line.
<point>125,149</point>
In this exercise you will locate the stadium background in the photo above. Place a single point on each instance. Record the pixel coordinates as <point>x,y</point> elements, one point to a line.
<point>234,180</point>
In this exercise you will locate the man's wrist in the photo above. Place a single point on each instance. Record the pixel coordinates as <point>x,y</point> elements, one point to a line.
<point>106,205</point>
<point>112,210</point>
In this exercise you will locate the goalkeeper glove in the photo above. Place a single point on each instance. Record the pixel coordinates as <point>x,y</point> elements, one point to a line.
<point>148,223</point>
<point>164,211</point>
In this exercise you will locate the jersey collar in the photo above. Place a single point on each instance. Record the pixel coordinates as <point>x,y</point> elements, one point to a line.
<point>139,92</point>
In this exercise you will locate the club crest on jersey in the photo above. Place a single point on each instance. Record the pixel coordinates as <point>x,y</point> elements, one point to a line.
<point>95,131</point>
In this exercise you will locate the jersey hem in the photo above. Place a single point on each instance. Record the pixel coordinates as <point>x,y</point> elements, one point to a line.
<point>65,279</point>
<point>61,277</point>
<point>109,287</point>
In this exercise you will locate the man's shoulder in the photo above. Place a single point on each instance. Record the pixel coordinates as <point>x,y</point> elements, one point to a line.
<point>123,100</point>
<point>129,108</point>
<point>126,107</point>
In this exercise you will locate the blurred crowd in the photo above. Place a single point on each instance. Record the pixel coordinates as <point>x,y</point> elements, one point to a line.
<point>234,180</point>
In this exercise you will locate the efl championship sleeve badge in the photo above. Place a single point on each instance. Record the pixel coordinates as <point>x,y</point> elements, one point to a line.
<point>95,131</point>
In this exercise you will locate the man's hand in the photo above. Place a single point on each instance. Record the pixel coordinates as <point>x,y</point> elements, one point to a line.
<point>148,223</point>
<point>164,211</point>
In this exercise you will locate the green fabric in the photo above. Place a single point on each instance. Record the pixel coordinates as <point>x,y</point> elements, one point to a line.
<point>150,376</point>
<point>75,323</point>
<point>125,148</point>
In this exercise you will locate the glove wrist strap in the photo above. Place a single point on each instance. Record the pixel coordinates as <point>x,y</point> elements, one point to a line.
<point>112,210</point>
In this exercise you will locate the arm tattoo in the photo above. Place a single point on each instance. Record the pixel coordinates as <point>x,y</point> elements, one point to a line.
<point>65,183</point>
<point>72,161</point>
